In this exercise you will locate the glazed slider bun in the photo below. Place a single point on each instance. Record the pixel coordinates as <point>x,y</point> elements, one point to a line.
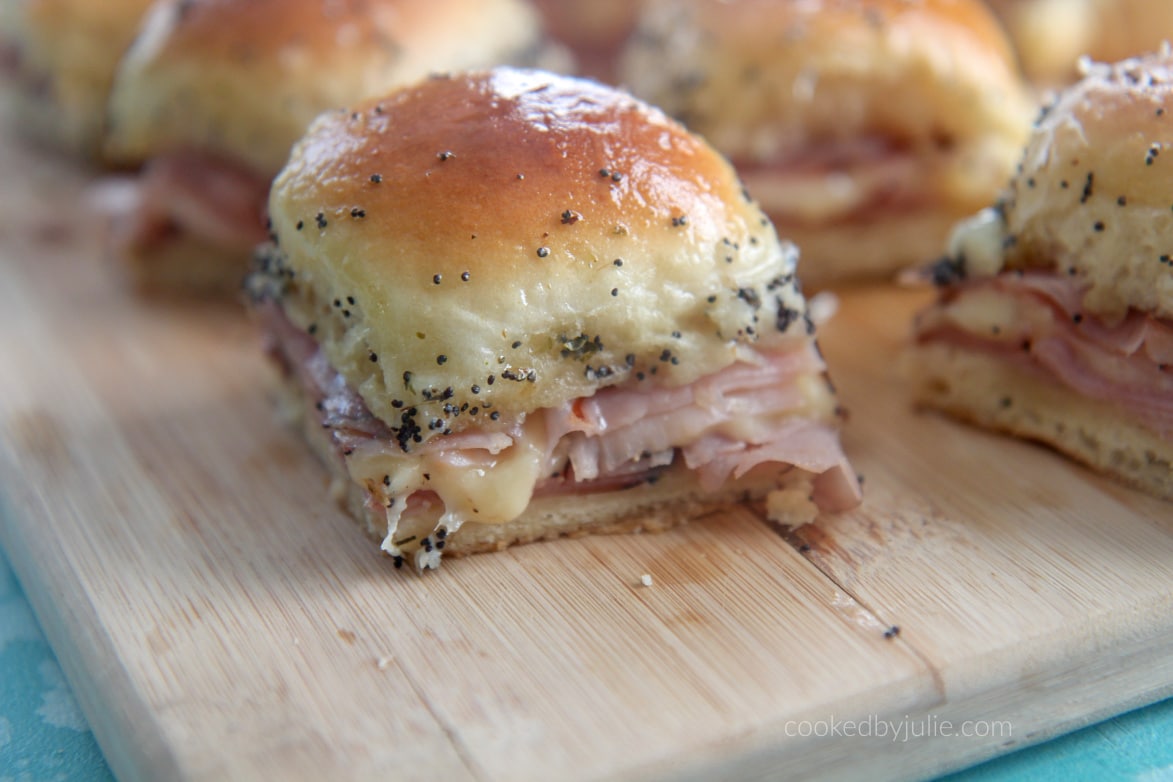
<point>1052,35</point>
<point>57,62</point>
<point>865,128</point>
<point>1055,316</point>
<point>511,305</point>
<point>214,93</point>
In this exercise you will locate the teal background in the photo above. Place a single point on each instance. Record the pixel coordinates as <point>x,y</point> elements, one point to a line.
<point>44,736</point>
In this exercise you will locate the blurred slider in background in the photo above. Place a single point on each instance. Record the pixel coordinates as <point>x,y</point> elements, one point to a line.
<point>865,128</point>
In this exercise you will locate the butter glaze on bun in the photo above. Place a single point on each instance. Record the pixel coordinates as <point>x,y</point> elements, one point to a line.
<point>1093,196</point>
<point>60,57</point>
<point>1095,193</point>
<point>511,224</point>
<point>864,127</point>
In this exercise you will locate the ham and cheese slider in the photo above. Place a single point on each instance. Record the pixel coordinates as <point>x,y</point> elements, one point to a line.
<point>214,93</point>
<point>1052,35</point>
<point>865,128</point>
<point>512,305</point>
<point>57,63</point>
<point>1055,315</point>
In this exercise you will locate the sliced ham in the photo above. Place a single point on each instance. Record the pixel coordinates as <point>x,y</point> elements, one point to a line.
<point>804,444</point>
<point>1136,385</point>
<point>195,194</point>
<point>722,426</point>
<point>624,424</point>
<point>845,180</point>
<point>1137,330</point>
<point>1125,363</point>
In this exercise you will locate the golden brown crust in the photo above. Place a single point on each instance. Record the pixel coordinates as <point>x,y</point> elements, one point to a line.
<point>518,146</point>
<point>774,84</point>
<point>533,236</point>
<point>63,55</point>
<point>1094,193</point>
<point>246,78</point>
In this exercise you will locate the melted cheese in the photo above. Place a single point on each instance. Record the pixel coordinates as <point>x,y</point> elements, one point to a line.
<point>979,241</point>
<point>993,315</point>
<point>473,485</point>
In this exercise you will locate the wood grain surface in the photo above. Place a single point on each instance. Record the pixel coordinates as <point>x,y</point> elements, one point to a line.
<point>219,617</point>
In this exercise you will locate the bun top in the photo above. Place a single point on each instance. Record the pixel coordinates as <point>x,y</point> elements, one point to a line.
<point>763,79</point>
<point>1127,28</point>
<point>1051,35</point>
<point>1094,194</point>
<point>516,239</point>
<point>61,56</point>
<point>244,78</point>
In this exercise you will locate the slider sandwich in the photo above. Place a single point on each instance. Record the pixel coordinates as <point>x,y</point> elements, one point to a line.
<point>1055,315</point>
<point>510,306</point>
<point>214,93</point>
<point>865,128</point>
<point>57,64</point>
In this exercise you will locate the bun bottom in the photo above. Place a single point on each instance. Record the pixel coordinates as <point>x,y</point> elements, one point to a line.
<point>674,498</point>
<point>982,389</point>
<point>876,248</point>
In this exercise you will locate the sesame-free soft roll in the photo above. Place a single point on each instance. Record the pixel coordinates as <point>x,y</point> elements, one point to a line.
<point>57,64</point>
<point>1055,315</point>
<point>865,128</point>
<point>214,93</point>
<point>512,305</point>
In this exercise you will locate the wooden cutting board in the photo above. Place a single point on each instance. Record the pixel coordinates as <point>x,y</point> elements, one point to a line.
<point>219,617</point>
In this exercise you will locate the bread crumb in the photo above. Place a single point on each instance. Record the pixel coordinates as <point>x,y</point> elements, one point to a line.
<point>383,662</point>
<point>427,559</point>
<point>646,579</point>
<point>791,507</point>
